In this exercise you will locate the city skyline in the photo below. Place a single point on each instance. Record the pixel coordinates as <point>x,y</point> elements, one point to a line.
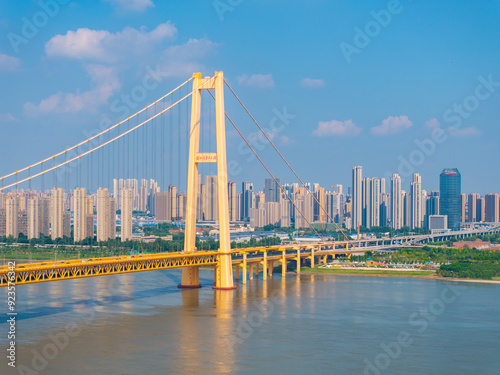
<point>370,203</point>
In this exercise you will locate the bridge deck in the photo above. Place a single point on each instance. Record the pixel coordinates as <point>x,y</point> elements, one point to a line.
<point>74,269</point>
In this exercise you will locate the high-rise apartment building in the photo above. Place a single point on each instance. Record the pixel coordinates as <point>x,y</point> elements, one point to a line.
<point>11,217</point>
<point>127,196</point>
<point>56,213</point>
<point>304,213</point>
<point>337,189</point>
<point>247,200</point>
<point>38,217</point>
<point>320,205</point>
<point>106,216</point>
<point>396,202</point>
<point>375,192</point>
<point>285,220</point>
<point>22,222</point>
<point>232,201</point>
<point>423,206</point>
<point>481,210</point>
<point>433,204</point>
<point>272,190</point>
<point>163,211</point>
<point>143,195</point>
<point>416,201</point>
<point>174,210</point>
<point>463,206</point>
<point>492,202</point>
<point>3,222</point>
<point>450,186</point>
<point>357,196</point>
<point>406,208</point>
<point>472,207</point>
<point>83,215</point>
<point>334,207</point>
<point>210,199</point>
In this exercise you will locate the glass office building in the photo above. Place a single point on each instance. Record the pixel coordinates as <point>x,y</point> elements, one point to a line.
<point>450,189</point>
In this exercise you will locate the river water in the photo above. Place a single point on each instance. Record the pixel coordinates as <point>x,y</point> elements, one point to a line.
<point>310,324</point>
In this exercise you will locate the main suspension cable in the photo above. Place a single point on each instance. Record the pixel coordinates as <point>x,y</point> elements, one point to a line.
<point>90,151</point>
<point>283,191</point>
<point>284,159</point>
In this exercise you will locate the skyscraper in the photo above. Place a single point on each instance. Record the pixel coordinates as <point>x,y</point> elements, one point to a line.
<point>38,217</point>
<point>3,218</point>
<point>357,196</point>
<point>304,203</point>
<point>396,202</point>
<point>106,216</point>
<point>163,212</point>
<point>272,190</point>
<point>232,201</point>
<point>375,202</point>
<point>12,208</point>
<point>320,205</point>
<point>143,195</point>
<point>416,201</point>
<point>127,197</point>
<point>463,205</point>
<point>481,210</point>
<point>56,213</point>
<point>492,207</point>
<point>83,215</point>
<point>450,186</point>
<point>246,201</point>
<point>472,205</point>
<point>172,190</point>
<point>210,200</point>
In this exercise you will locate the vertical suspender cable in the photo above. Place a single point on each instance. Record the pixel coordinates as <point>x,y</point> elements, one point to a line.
<point>170,151</point>
<point>162,148</point>
<point>54,172</point>
<point>188,128</point>
<point>144,141</point>
<point>153,175</point>
<point>179,144</point>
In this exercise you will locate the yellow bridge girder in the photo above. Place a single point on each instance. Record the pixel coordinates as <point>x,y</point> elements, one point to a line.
<point>30,273</point>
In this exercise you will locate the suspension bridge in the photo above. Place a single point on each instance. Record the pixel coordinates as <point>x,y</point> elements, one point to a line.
<point>143,144</point>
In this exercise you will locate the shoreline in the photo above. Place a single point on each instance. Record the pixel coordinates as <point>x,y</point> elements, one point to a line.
<point>408,275</point>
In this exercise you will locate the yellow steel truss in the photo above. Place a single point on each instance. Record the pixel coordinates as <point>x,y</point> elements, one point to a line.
<point>75,269</point>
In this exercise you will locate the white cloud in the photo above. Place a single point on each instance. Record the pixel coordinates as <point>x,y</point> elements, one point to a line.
<point>193,49</point>
<point>132,5</point>
<point>6,118</point>
<point>312,83</point>
<point>182,60</point>
<point>8,63</point>
<point>466,132</point>
<point>392,125</point>
<point>262,81</point>
<point>334,127</point>
<point>452,131</point>
<point>106,84</point>
<point>432,123</point>
<point>103,46</point>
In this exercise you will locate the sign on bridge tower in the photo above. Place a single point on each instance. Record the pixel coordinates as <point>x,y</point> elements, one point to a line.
<point>224,272</point>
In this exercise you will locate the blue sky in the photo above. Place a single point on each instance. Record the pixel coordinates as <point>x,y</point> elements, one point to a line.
<point>408,86</point>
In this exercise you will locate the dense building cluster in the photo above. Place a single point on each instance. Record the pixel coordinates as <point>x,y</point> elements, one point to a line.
<point>80,215</point>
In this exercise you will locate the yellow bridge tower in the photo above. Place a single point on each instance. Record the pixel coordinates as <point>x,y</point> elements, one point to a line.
<point>223,271</point>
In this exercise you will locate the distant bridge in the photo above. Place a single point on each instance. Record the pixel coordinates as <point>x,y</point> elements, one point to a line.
<point>402,241</point>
